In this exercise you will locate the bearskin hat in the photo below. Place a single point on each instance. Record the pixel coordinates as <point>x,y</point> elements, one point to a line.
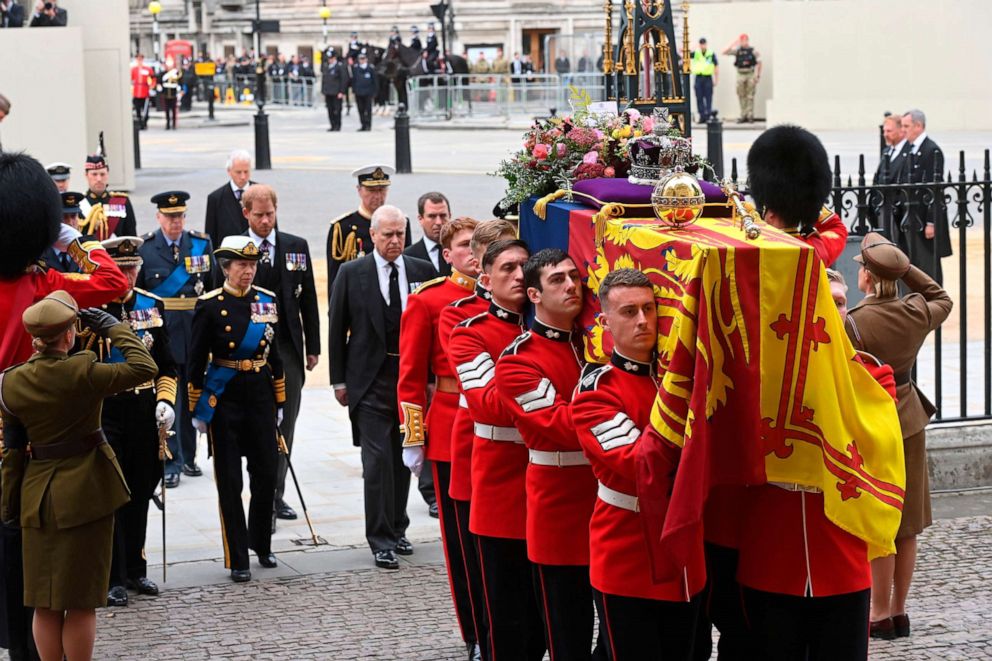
<point>30,212</point>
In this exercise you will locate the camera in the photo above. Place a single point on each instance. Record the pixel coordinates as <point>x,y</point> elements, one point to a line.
<point>48,6</point>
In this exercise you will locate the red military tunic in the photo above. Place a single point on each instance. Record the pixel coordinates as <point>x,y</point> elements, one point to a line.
<point>462,433</point>
<point>499,457</point>
<point>828,238</point>
<point>421,354</point>
<point>141,77</point>
<point>535,377</point>
<point>611,407</point>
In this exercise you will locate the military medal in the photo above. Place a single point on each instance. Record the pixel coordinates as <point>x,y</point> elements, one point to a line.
<point>197,263</point>
<point>296,261</point>
<point>298,291</point>
<point>262,313</point>
<point>198,287</point>
<point>269,332</point>
<point>148,340</point>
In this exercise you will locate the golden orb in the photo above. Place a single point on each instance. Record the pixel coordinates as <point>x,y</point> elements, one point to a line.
<point>678,199</point>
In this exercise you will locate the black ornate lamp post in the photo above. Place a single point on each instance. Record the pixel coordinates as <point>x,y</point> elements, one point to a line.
<point>263,156</point>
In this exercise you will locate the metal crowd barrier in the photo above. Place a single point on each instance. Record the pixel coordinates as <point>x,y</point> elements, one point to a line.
<point>279,90</point>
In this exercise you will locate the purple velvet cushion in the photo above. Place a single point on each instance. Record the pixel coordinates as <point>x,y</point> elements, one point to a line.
<point>619,190</point>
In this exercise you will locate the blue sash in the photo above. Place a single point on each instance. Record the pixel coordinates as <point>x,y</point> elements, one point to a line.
<point>218,377</point>
<point>141,302</point>
<point>180,276</point>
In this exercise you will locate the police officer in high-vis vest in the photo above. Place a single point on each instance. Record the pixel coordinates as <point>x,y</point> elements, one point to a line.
<point>748,65</point>
<point>236,393</point>
<point>178,267</point>
<point>706,70</point>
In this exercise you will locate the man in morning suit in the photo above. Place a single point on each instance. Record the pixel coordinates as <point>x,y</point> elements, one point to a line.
<point>286,269</point>
<point>927,239</point>
<point>366,305</point>
<point>433,211</point>
<point>224,217</point>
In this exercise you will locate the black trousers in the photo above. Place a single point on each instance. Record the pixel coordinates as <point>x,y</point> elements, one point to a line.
<point>704,96</point>
<point>787,627</point>
<point>140,111</point>
<point>515,627</point>
<point>171,114</point>
<point>295,377</point>
<point>244,425</point>
<point>454,557</point>
<point>333,110</point>
<point>15,618</point>
<point>182,445</point>
<point>386,479</point>
<point>425,483</point>
<point>468,544</point>
<point>637,629</point>
<point>364,104</point>
<point>564,598</point>
<point>129,423</point>
<point>723,607</point>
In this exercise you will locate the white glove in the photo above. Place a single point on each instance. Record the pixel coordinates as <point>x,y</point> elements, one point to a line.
<point>66,236</point>
<point>279,417</point>
<point>200,425</point>
<point>165,415</point>
<point>413,458</point>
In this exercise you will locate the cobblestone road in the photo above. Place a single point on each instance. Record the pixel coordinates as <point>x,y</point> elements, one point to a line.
<point>369,614</point>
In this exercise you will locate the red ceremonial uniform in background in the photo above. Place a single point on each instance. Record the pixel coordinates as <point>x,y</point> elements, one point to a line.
<point>140,81</point>
<point>610,409</point>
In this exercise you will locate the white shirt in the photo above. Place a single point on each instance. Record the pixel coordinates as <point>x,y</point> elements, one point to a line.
<point>383,270</point>
<point>919,141</point>
<point>271,238</point>
<point>434,252</point>
<point>897,149</point>
<point>235,189</point>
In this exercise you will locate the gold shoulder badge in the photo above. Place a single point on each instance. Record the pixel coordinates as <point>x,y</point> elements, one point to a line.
<point>76,276</point>
<point>211,294</point>
<point>341,217</point>
<point>265,291</point>
<point>117,193</point>
<point>198,234</point>
<point>428,284</point>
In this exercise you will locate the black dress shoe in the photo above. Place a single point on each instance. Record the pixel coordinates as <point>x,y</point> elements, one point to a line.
<point>192,470</point>
<point>117,596</point>
<point>284,511</point>
<point>143,585</point>
<point>171,480</point>
<point>474,651</point>
<point>240,575</point>
<point>432,511</point>
<point>267,560</point>
<point>404,547</point>
<point>901,624</point>
<point>386,560</point>
<point>883,629</point>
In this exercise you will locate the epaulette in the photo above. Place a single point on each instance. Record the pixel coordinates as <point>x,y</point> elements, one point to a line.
<point>342,217</point>
<point>149,236</point>
<point>429,283</point>
<point>462,301</point>
<point>198,234</point>
<point>265,291</point>
<point>471,320</point>
<point>591,374</point>
<point>211,294</point>
<point>116,193</point>
<point>147,293</point>
<point>511,348</point>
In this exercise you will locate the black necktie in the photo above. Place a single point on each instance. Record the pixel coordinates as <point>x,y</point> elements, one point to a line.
<point>175,253</point>
<point>266,259</point>
<point>66,262</point>
<point>393,311</point>
<point>238,193</point>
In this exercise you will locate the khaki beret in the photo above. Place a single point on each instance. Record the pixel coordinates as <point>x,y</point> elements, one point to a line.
<point>51,315</point>
<point>882,257</point>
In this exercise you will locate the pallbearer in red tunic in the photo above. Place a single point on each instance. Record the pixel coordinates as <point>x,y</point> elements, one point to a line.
<point>641,619</point>
<point>499,459</point>
<point>535,378</point>
<point>421,355</point>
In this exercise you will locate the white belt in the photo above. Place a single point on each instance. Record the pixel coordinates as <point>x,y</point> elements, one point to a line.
<point>493,433</point>
<point>790,486</point>
<point>617,498</point>
<point>559,459</point>
<point>462,402</point>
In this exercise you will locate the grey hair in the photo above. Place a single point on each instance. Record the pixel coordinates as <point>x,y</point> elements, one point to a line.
<point>386,212</point>
<point>917,116</point>
<point>237,156</point>
<point>224,263</point>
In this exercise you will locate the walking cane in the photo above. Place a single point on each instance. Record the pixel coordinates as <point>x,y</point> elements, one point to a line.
<point>317,541</point>
<point>164,455</point>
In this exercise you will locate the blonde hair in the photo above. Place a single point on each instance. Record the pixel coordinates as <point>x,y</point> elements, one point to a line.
<point>257,192</point>
<point>490,230</point>
<point>883,288</point>
<point>453,227</point>
<point>838,277</point>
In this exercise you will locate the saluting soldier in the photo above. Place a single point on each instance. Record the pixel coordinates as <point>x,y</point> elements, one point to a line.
<point>178,267</point>
<point>104,213</point>
<point>132,418</point>
<point>55,258</point>
<point>348,237</point>
<point>236,394</point>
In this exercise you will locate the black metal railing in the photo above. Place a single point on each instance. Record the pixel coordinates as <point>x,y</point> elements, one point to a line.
<point>952,204</point>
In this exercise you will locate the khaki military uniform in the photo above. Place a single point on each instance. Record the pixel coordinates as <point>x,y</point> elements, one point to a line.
<point>65,505</point>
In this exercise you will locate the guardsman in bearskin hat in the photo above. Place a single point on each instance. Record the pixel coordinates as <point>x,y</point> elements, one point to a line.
<point>237,390</point>
<point>132,418</point>
<point>104,213</point>
<point>178,267</point>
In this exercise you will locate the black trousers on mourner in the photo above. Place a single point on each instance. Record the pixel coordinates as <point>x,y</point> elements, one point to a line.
<point>723,607</point>
<point>244,425</point>
<point>454,557</point>
<point>638,629</point>
<point>129,423</point>
<point>468,544</point>
<point>295,377</point>
<point>515,628</point>
<point>386,479</point>
<point>787,627</point>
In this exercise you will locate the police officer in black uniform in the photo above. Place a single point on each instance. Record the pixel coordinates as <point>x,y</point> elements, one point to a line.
<point>415,39</point>
<point>431,46</point>
<point>56,259</point>
<point>178,267</point>
<point>132,420</point>
<point>237,390</point>
<point>395,40</point>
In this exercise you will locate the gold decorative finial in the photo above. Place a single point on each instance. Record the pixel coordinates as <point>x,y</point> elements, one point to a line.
<point>608,41</point>
<point>685,37</point>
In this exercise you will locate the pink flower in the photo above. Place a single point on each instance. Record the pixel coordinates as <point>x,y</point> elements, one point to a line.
<point>648,124</point>
<point>599,134</point>
<point>540,151</point>
<point>590,158</point>
<point>561,149</point>
<point>633,113</point>
<point>609,171</point>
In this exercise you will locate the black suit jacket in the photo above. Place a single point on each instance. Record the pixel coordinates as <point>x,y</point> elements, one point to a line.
<point>224,217</point>
<point>419,250</point>
<point>14,17</point>
<point>296,294</point>
<point>928,165</point>
<point>357,335</point>
<point>895,168</point>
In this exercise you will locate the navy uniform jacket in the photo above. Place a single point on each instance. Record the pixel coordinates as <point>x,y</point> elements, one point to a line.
<point>178,285</point>
<point>363,81</point>
<point>50,260</point>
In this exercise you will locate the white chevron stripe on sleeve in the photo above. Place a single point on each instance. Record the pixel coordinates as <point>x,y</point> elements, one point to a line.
<point>616,432</point>
<point>477,372</point>
<point>541,397</point>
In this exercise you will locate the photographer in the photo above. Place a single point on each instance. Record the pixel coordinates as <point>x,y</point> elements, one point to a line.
<point>47,15</point>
